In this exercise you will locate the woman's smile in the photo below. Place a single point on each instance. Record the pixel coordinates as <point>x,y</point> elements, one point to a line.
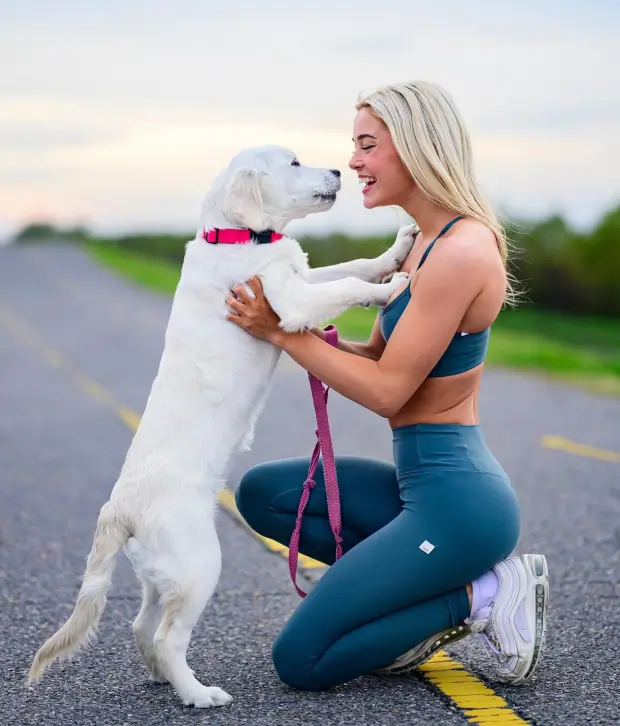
<point>368,182</point>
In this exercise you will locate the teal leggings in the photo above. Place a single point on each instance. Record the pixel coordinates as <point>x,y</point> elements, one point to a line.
<point>385,595</point>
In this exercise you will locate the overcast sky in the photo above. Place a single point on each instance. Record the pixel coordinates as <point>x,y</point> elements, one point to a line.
<point>118,114</point>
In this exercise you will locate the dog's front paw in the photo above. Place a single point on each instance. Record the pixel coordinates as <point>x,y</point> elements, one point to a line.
<point>387,289</point>
<point>397,282</point>
<point>393,258</point>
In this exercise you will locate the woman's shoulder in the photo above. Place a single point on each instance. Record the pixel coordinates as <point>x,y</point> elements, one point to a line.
<point>469,241</point>
<point>466,259</point>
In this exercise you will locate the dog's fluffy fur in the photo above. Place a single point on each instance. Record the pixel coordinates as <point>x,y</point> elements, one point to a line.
<point>212,382</point>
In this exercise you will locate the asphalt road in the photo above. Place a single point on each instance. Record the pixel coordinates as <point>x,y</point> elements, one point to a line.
<point>61,448</point>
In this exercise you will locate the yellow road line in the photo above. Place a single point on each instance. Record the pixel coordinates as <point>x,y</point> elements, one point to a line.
<point>573,447</point>
<point>128,417</point>
<point>92,388</point>
<point>227,499</point>
<point>477,701</point>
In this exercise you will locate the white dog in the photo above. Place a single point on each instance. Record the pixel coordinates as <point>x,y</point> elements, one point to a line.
<point>212,382</point>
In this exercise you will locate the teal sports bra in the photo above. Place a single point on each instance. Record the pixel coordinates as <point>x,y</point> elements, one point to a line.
<point>464,352</point>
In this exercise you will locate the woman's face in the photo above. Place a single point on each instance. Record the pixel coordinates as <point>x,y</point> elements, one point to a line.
<point>377,164</point>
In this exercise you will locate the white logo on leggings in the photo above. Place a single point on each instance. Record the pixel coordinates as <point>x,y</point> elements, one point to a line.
<point>427,547</point>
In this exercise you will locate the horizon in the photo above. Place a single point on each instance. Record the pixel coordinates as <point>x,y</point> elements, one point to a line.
<point>104,130</point>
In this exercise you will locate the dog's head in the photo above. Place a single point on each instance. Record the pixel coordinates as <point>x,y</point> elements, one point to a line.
<point>267,187</point>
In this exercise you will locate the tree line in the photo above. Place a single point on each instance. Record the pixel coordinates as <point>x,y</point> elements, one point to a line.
<point>558,267</point>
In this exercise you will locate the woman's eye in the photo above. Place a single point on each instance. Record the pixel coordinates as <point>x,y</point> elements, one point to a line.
<point>365,148</point>
<point>295,162</point>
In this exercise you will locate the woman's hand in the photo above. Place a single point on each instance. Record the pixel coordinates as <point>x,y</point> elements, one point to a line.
<point>253,314</point>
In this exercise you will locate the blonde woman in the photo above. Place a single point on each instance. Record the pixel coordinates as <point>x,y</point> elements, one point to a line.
<point>427,540</point>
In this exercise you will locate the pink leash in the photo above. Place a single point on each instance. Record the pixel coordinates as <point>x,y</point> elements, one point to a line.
<point>323,446</point>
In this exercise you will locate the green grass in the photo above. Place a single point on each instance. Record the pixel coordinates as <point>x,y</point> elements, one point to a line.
<point>580,350</point>
<point>151,272</point>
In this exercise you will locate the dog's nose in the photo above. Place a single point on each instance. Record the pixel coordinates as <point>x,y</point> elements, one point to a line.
<point>335,172</point>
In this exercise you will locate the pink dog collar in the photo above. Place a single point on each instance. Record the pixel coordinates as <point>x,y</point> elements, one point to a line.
<point>239,236</point>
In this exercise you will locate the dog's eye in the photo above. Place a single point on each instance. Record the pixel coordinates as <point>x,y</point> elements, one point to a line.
<point>295,162</point>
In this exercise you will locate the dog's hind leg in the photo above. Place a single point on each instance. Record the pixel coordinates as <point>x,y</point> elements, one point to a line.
<point>144,627</point>
<point>183,603</point>
<point>148,619</point>
<point>248,437</point>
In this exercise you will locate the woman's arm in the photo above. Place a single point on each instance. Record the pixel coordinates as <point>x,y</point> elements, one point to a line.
<point>452,278</point>
<point>372,348</point>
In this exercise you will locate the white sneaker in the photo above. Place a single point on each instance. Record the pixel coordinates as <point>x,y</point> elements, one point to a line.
<point>513,627</point>
<point>421,653</point>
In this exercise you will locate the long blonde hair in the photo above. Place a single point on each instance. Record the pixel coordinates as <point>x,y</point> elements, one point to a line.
<point>434,145</point>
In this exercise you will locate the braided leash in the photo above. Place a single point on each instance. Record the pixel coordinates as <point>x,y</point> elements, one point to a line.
<point>323,447</point>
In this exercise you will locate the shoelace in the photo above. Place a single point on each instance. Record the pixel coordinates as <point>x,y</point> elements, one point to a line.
<point>483,627</point>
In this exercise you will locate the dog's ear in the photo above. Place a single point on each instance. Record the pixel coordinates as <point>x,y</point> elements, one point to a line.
<point>244,197</point>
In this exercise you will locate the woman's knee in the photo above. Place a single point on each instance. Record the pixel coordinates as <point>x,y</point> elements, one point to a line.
<point>252,495</point>
<point>293,664</point>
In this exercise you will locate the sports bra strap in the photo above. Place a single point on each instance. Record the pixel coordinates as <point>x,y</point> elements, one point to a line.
<point>443,231</point>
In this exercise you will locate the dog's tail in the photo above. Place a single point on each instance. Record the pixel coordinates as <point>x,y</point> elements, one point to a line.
<point>110,537</point>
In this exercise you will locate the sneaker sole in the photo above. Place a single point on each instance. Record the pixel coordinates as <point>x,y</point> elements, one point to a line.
<point>420,654</point>
<point>538,599</point>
